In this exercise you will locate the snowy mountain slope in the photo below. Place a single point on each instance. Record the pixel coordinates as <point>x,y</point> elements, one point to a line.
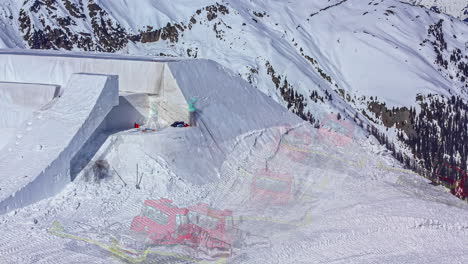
<point>9,34</point>
<point>362,58</point>
<point>217,31</point>
<point>456,8</point>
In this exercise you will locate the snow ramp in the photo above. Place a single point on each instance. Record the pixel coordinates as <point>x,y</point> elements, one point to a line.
<point>37,164</point>
<point>227,104</point>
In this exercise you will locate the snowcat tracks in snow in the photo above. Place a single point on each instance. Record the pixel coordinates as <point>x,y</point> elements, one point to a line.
<point>130,255</point>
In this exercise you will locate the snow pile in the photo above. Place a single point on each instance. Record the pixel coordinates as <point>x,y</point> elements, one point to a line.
<point>226,109</point>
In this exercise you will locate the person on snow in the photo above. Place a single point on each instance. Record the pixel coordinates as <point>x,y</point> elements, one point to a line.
<point>153,119</point>
<point>192,111</point>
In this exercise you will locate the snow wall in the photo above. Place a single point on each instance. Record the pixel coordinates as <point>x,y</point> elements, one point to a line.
<point>138,76</point>
<point>28,95</point>
<point>147,76</point>
<point>37,165</point>
<point>17,103</point>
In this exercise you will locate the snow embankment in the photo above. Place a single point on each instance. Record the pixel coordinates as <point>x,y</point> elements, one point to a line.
<point>37,165</point>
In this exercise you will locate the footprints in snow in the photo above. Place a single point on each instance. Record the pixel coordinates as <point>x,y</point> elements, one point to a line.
<point>29,127</point>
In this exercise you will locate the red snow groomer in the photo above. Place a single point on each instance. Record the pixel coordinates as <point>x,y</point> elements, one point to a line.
<point>164,222</point>
<point>455,179</point>
<point>271,187</point>
<point>199,226</point>
<point>212,229</point>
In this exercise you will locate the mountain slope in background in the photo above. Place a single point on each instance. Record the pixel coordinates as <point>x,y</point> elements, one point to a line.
<point>376,62</point>
<point>456,8</point>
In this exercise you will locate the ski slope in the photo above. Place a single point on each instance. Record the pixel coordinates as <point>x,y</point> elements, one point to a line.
<point>369,51</point>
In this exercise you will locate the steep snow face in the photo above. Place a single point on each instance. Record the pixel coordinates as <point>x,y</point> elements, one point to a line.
<point>227,104</point>
<point>456,8</point>
<point>136,74</point>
